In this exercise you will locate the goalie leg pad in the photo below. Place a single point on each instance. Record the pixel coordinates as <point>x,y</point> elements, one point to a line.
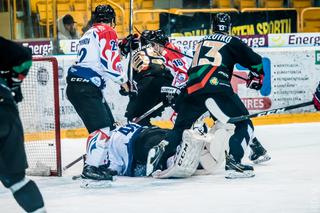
<point>187,158</point>
<point>213,155</point>
<point>97,147</point>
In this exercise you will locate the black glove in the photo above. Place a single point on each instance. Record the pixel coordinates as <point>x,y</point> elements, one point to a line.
<point>255,80</point>
<point>14,83</point>
<point>132,93</point>
<point>169,95</point>
<point>316,98</point>
<point>124,45</point>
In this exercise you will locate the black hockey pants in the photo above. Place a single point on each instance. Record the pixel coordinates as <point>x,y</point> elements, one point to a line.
<point>12,153</point>
<point>192,107</point>
<point>90,105</point>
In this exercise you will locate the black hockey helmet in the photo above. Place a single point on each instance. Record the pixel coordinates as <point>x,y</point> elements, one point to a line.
<point>161,37</point>
<point>221,23</point>
<point>105,14</point>
<point>146,37</point>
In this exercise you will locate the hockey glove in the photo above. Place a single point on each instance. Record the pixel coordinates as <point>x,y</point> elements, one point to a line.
<point>14,83</point>
<point>316,98</point>
<point>134,91</point>
<point>131,40</point>
<point>255,80</point>
<point>169,95</point>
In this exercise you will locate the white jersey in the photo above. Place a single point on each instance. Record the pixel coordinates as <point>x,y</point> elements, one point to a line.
<point>98,57</point>
<point>120,148</point>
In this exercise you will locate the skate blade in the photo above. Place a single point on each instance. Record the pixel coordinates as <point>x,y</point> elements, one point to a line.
<point>235,174</point>
<point>95,184</point>
<point>261,159</point>
<point>150,166</point>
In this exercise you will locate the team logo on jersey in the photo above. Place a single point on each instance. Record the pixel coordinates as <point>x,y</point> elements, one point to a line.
<point>214,81</point>
<point>96,81</point>
<point>42,76</point>
<point>181,77</point>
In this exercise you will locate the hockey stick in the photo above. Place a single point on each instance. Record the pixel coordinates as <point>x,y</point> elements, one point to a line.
<point>73,162</point>
<point>130,69</point>
<point>136,120</point>
<point>216,111</point>
<point>173,50</point>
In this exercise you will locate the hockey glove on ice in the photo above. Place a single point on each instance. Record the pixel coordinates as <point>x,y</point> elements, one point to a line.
<point>124,45</point>
<point>169,95</point>
<point>255,80</point>
<point>316,98</point>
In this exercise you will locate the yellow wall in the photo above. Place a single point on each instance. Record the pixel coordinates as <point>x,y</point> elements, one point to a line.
<point>263,120</point>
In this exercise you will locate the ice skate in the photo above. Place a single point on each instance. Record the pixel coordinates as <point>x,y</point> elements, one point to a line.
<point>93,177</point>
<point>235,169</point>
<point>154,156</point>
<point>258,154</point>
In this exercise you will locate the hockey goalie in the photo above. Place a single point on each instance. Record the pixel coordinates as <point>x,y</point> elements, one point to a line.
<point>134,151</point>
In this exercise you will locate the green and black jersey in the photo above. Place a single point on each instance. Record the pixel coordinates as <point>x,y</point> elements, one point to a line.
<point>213,62</point>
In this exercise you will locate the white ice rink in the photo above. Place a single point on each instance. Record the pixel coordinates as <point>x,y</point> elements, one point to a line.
<point>289,183</point>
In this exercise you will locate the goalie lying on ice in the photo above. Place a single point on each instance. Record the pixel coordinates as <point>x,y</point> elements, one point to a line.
<point>138,151</point>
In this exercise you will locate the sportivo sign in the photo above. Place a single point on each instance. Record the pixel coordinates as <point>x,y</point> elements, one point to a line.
<point>294,39</point>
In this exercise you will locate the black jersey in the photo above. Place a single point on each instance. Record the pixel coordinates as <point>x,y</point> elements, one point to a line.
<point>213,62</point>
<point>147,62</point>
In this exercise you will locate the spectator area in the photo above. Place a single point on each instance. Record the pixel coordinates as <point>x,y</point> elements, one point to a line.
<point>145,16</point>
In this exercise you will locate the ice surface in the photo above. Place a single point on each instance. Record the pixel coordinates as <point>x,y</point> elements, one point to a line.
<point>289,183</point>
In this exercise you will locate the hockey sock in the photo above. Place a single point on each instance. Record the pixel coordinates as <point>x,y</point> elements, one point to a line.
<point>97,147</point>
<point>25,192</point>
<point>29,196</point>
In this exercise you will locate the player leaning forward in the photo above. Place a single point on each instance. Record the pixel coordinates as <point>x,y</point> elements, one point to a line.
<point>98,60</point>
<point>209,79</point>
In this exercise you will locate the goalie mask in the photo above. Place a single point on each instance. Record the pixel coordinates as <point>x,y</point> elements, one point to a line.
<point>105,14</point>
<point>221,23</point>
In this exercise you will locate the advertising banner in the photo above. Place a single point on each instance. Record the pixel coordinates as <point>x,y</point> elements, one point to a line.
<point>68,46</point>
<point>294,39</point>
<point>43,47</point>
<point>291,76</point>
<point>245,23</point>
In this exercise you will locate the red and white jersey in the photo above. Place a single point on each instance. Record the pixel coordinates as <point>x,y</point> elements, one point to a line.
<point>98,50</point>
<point>177,63</point>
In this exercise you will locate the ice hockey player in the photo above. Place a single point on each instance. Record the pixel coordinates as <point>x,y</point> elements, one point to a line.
<point>316,98</point>
<point>129,145</point>
<point>178,65</point>
<point>209,79</point>
<point>176,62</point>
<point>149,75</point>
<point>15,62</point>
<point>98,60</point>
